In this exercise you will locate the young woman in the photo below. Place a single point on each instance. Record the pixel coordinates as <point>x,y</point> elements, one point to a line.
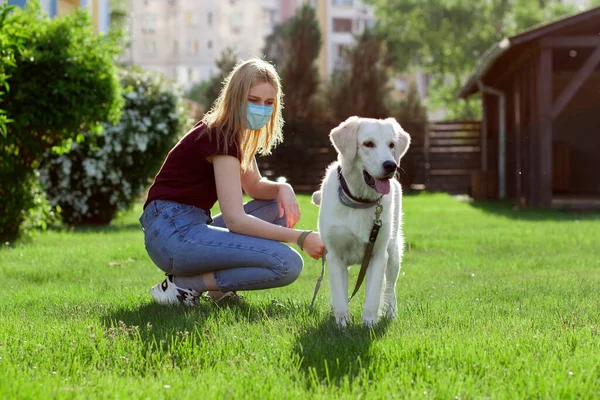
<point>241,248</point>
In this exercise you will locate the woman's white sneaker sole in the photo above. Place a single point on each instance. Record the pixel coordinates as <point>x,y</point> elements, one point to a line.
<point>168,293</point>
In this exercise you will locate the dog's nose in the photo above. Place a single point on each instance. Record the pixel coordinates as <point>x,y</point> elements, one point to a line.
<point>389,166</point>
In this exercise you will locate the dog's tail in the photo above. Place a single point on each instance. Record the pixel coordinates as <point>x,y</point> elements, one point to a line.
<point>316,198</point>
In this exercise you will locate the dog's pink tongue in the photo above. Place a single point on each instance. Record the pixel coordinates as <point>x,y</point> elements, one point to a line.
<point>382,186</point>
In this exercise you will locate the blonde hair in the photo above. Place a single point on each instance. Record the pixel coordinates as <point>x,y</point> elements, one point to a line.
<point>228,114</point>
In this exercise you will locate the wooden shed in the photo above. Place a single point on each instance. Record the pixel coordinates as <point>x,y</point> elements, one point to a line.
<point>540,90</point>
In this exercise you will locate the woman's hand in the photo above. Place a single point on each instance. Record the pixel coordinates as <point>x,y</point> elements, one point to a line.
<point>313,246</point>
<point>288,205</point>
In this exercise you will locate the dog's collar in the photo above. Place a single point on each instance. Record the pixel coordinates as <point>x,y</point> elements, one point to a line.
<point>348,199</point>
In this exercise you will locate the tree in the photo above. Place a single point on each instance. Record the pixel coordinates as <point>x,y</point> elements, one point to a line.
<point>446,38</point>
<point>411,114</point>
<point>362,89</point>
<point>119,13</point>
<point>55,60</point>
<point>206,92</point>
<point>274,45</point>
<point>294,47</point>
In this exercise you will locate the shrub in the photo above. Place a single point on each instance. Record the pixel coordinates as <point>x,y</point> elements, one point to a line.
<point>109,172</point>
<point>60,80</point>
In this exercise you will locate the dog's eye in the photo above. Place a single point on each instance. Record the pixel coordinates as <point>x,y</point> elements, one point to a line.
<point>369,144</point>
<point>392,145</point>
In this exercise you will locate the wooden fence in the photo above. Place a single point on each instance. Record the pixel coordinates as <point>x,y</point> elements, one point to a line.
<point>442,160</point>
<point>452,153</point>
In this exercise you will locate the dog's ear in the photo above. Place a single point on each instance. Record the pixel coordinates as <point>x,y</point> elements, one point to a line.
<point>402,138</point>
<point>345,138</point>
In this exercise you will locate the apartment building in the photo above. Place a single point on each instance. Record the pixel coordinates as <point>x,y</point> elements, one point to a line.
<point>98,8</point>
<point>339,21</point>
<point>183,38</point>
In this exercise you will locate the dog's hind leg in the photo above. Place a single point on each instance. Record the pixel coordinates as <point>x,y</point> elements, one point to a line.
<point>388,299</point>
<point>338,281</point>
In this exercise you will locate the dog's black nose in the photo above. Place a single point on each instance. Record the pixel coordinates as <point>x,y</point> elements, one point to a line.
<point>389,166</point>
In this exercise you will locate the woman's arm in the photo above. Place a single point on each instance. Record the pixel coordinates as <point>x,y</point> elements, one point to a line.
<point>256,187</point>
<point>229,193</point>
<point>263,189</point>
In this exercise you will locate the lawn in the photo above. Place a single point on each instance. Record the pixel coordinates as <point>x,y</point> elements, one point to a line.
<point>492,303</point>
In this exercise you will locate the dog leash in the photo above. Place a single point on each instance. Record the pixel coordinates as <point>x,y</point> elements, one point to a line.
<point>319,279</point>
<point>366,258</point>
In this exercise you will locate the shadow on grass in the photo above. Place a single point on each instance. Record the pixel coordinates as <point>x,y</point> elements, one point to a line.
<point>337,356</point>
<point>507,209</point>
<point>157,323</point>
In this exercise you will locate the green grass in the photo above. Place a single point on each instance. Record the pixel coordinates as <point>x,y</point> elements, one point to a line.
<point>492,303</point>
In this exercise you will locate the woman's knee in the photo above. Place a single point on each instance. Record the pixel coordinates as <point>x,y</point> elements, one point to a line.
<point>292,267</point>
<point>267,210</point>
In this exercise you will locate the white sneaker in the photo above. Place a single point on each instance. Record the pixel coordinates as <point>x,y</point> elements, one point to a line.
<point>168,292</point>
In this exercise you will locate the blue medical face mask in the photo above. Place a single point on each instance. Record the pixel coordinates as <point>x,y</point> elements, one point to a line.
<point>258,116</point>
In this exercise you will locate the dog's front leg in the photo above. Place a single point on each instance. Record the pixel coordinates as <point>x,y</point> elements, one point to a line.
<point>375,274</point>
<point>338,281</point>
<point>391,276</point>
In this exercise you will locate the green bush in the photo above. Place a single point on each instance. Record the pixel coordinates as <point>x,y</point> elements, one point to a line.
<point>107,173</point>
<point>59,80</point>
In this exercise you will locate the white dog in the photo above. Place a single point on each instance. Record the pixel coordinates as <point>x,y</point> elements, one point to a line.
<point>369,153</point>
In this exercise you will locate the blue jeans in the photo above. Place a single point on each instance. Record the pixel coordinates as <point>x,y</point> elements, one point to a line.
<point>184,241</point>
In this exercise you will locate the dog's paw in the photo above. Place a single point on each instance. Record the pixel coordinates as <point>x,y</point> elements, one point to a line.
<point>342,319</point>
<point>369,319</point>
<point>369,322</point>
<point>390,313</point>
<point>388,310</point>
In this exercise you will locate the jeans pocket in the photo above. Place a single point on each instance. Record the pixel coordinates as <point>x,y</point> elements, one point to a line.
<point>184,216</point>
<point>157,251</point>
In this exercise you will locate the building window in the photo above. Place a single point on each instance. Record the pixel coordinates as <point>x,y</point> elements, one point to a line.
<point>209,44</point>
<point>209,19</point>
<point>269,17</point>
<point>340,50</point>
<point>342,25</point>
<point>175,47</point>
<point>191,18</point>
<point>149,23</point>
<point>192,46</point>
<point>190,75</point>
<point>149,47</point>
<point>346,3</point>
<point>236,22</point>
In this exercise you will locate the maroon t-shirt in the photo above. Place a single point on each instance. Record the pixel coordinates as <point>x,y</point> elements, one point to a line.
<point>186,176</point>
